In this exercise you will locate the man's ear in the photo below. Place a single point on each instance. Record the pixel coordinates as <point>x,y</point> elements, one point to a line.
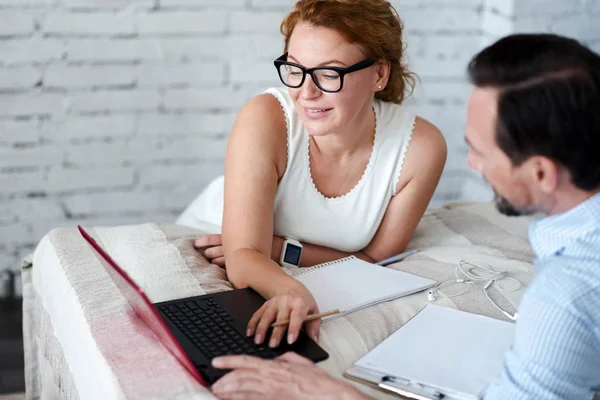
<point>546,173</point>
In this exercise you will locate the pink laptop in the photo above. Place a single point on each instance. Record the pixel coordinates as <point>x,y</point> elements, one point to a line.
<point>199,328</point>
<point>142,306</point>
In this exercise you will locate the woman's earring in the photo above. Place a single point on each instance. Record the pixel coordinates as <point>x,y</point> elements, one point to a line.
<point>379,86</point>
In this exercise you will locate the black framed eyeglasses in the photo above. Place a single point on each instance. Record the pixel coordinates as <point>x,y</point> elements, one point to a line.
<point>328,79</point>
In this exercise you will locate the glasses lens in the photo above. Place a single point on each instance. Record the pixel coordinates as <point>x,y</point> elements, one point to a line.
<point>290,75</point>
<point>328,79</point>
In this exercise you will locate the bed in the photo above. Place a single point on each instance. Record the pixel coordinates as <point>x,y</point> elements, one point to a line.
<point>82,340</point>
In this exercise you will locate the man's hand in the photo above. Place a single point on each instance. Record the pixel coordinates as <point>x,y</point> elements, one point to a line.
<point>289,377</point>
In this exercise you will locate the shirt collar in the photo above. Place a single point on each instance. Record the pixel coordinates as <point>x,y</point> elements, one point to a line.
<point>550,235</point>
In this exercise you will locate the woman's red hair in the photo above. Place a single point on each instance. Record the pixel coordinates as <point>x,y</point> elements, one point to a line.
<point>374,25</point>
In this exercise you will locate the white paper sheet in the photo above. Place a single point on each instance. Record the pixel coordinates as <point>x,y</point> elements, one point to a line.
<point>451,350</point>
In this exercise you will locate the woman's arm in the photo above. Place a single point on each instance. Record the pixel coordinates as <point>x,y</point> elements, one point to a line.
<point>255,161</point>
<point>423,166</point>
<point>253,166</point>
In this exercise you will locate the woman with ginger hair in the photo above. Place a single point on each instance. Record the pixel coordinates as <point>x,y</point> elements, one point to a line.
<point>334,161</point>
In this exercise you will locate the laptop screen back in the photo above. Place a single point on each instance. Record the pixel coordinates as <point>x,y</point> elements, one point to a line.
<point>142,306</point>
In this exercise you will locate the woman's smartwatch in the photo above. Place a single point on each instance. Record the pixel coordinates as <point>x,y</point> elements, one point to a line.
<point>290,253</point>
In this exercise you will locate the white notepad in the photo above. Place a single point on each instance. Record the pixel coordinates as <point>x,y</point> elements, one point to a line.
<point>350,284</point>
<point>442,351</point>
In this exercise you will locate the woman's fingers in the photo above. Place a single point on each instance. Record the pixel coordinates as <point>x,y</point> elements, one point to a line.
<point>211,247</point>
<point>208,241</point>
<point>219,261</point>
<point>214,252</point>
<point>312,329</point>
<point>297,317</point>
<point>266,320</point>
<point>255,319</point>
<point>278,331</point>
<point>293,308</point>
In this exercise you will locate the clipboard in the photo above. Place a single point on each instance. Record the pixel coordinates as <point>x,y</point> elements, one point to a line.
<point>412,364</point>
<point>401,387</point>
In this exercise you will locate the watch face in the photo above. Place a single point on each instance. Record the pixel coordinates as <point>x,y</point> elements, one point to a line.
<point>292,254</point>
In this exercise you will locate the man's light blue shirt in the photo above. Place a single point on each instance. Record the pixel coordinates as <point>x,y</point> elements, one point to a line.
<point>556,353</point>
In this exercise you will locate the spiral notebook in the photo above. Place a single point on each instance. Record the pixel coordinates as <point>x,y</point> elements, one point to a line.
<point>350,284</point>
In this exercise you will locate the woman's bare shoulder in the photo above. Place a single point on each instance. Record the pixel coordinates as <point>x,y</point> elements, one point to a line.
<point>261,121</point>
<point>266,109</point>
<point>426,153</point>
<point>427,137</point>
<point>261,115</point>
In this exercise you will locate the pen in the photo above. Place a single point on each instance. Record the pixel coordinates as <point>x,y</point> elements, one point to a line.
<point>396,258</point>
<point>308,318</point>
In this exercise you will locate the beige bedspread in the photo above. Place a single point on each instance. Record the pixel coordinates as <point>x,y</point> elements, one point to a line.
<point>82,340</point>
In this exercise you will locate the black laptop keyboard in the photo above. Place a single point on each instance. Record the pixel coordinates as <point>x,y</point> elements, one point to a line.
<point>208,326</point>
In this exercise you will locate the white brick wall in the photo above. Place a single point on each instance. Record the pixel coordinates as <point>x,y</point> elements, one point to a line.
<point>182,22</point>
<point>99,4</point>
<point>118,111</point>
<point>252,21</point>
<point>35,50</point>
<point>14,23</point>
<point>33,103</point>
<point>203,3</point>
<point>98,127</point>
<point>117,51</point>
<point>116,101</point>
<point>84,23</point>
<point>13,131</point>
<point>19,78</point>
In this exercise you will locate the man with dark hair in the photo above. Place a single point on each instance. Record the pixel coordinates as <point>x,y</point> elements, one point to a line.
<point>534,133</point>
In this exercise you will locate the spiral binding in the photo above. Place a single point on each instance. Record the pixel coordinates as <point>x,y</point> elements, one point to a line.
<point>327,264</point>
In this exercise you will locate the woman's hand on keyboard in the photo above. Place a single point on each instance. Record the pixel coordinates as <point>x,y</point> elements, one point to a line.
<point>293,304</point>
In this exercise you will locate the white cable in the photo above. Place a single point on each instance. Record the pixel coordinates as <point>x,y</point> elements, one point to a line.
<point>470,276</point>
<point>434,291</point>
<point>506,313</point>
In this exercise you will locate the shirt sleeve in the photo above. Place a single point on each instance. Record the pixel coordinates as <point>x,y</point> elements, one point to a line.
<point>556,353</point>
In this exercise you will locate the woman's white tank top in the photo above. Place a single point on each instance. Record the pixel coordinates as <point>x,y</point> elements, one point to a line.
<point>349,222</point>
